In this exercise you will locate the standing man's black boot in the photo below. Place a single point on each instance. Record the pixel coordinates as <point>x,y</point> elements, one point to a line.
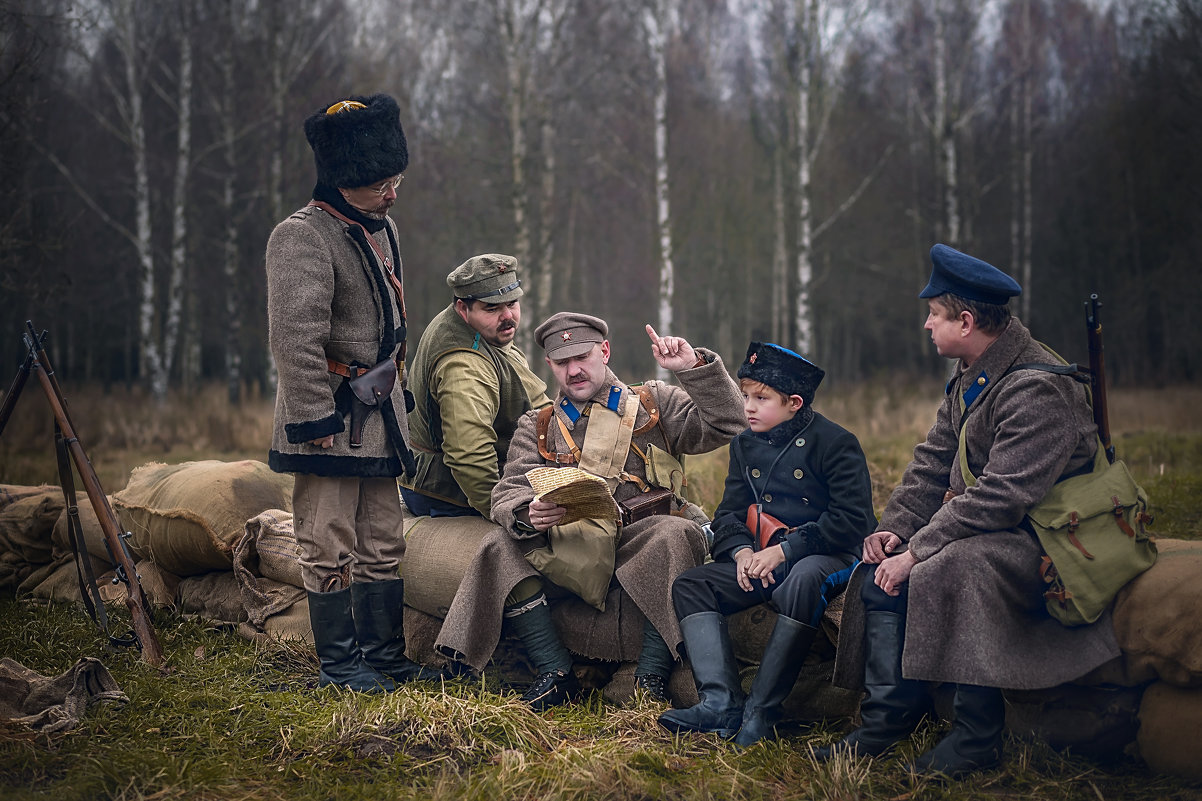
<point>379,608</point>
<point>337,644</point>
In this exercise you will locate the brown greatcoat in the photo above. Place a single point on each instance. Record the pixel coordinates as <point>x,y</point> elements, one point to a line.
<point>705,412</point>
<point>976,612</point>
<point>326,299</point>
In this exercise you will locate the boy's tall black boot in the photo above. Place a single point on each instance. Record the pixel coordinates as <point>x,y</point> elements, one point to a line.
<point>790,642</point>
<point>337,645</point>
<point>975,741</point>
<point>379,608</point>
<point>894,706</point>
<point>707,644</point>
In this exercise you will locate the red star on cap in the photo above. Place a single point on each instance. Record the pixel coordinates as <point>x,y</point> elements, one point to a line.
<point>567,336</point>
<point>752,359</point>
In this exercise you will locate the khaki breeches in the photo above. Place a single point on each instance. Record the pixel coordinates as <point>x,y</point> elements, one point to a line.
<point>348,529</point>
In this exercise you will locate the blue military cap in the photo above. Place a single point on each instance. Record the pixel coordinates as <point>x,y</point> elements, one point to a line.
<point>968,277</point>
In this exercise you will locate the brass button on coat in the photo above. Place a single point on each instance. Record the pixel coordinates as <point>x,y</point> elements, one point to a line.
<point>799,473</point>
<point>755,472</point>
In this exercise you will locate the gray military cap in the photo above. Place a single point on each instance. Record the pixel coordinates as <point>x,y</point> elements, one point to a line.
<point>491,277</point>
<point>569,334</point>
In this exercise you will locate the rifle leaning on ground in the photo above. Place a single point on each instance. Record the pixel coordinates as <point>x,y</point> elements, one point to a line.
<point>68,448</point>
<point>1097,372</point>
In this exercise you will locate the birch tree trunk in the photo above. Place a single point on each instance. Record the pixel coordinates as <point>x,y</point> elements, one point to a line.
<point>543,299</point>
<point>655,23</point>
<point>945,136</point>
<point>129,105</point>
<point>1027,85</point>
<point>511,23</point>
<point>804,323</point>
<point>179,210</point>
<point>229,244</point>
<point>780,252</point>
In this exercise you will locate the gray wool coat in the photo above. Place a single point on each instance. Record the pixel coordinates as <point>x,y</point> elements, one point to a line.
<point>326,298</point>
<point>703,413</point>
<point>976,612</point>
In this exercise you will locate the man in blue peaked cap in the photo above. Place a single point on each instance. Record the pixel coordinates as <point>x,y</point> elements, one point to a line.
<point>949,590</point>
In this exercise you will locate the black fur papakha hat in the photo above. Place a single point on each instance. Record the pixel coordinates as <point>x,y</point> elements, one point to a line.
<point>782,369</point>
<point>357,141</point>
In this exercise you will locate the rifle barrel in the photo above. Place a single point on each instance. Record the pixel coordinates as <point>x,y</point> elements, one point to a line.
<point>152,651</point>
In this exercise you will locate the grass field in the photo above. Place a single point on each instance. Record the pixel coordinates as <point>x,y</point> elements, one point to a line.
<point>235,721</point>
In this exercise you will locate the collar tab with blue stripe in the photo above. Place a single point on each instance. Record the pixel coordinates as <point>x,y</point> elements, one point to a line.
<point>976,389</point>
<point>611,403</point>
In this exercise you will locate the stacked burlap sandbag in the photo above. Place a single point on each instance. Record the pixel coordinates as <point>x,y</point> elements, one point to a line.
<point>1158,622</point>
<point>27,517</point>
<point>1149,700</point>
<point>59,579</point>
<point>269,579</point>
<point>185,520</point>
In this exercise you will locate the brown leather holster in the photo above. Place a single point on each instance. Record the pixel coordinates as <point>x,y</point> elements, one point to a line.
<point>369,388</point>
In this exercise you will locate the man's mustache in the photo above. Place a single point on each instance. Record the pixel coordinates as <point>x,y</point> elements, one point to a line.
<point>507,325</point>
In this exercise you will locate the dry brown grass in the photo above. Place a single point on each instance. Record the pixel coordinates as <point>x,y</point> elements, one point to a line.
<point>121,430</point>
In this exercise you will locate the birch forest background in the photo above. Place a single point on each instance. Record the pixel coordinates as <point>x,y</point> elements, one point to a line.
<point>725,169</point>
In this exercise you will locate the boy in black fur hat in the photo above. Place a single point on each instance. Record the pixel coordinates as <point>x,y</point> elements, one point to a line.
<point>796,507</point>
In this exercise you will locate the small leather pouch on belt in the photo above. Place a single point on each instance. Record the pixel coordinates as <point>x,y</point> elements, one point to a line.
<point>369,387</point>
<point>655,501</point>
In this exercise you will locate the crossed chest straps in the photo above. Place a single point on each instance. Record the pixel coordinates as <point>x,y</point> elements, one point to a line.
<point>646,400</point>
<point>346,370</point>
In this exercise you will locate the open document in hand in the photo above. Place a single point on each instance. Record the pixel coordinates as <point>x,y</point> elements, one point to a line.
<point>584,495</point>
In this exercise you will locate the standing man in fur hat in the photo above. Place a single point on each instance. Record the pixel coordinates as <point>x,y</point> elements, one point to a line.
<point>471,384</point>
<point>950,588</point>
<point>336,316</point>
<point>810,476</point>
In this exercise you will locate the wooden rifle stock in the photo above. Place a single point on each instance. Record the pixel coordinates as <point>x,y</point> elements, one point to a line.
<point>38,362</point>
<point>1097,372</point>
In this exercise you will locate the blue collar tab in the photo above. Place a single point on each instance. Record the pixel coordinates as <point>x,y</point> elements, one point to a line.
<point>570,410</point>
<point>976,389</point>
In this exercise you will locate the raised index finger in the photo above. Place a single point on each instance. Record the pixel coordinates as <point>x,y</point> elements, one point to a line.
<point>655,338</point>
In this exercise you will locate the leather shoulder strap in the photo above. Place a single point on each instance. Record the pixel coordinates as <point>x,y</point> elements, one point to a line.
<point>542,426</point>
<point>385,260</point>
<point>648,401</point>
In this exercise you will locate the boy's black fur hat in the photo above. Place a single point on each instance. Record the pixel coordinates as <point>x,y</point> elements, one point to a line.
<point>782,369</point>
<point>358,146</point>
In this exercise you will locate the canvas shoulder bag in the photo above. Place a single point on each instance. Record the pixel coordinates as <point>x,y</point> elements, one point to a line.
<point>1091,529</point>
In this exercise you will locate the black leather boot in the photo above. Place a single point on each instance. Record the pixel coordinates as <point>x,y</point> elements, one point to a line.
<point>975,741</point>
<point>379,608</point>
<point>556,683</point>
<point>786,650</point>
<point>707,644</point>
<point>894,706</point>
<point>337,645</point>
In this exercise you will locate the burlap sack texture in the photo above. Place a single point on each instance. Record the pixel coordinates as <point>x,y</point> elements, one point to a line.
<point>266,567</point>
<point>27,517</point>
<point>187,517</point>
<point>93,534</point>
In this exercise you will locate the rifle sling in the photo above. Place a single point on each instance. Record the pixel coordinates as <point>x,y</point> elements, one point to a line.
<point>88,589</point>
